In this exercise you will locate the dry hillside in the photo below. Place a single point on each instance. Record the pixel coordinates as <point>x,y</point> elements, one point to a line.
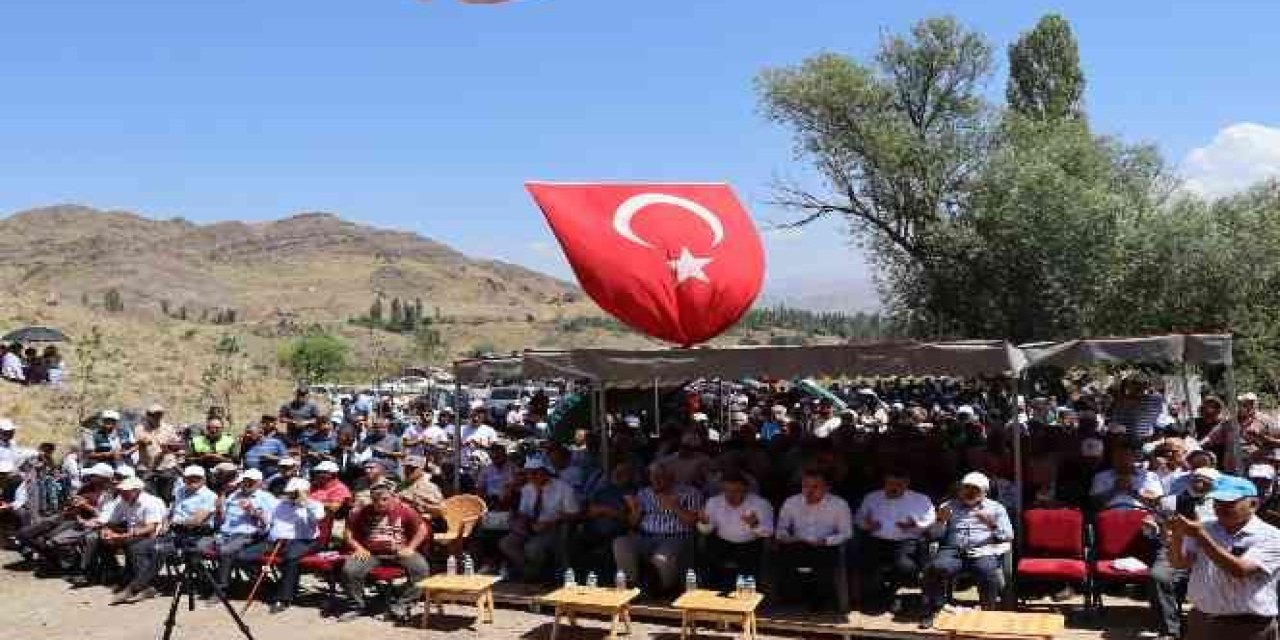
<point>279,276</point>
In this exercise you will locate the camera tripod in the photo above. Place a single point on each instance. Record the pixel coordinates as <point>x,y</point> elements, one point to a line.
<point>193,574</point>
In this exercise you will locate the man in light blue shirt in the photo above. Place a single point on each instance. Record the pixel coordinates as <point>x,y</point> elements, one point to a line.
<point>193,508</point>
<point>975,534</point>
<point>244,519</point>
<point>262,452</point>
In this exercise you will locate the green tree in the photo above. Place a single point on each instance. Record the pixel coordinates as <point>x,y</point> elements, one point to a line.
<point>897,143</point>
<point>1045,78</point>
<point>429,345</point>
<point>397,315</point>
<point>96,382</point>
<point>226,377</point>
<point>112,301</point>
<point>315,357</point>
<point>375,311</point>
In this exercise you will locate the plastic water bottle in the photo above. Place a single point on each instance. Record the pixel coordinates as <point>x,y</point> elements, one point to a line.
<point>690,581</point>
<point>468,566</point>
<point>451,566</point>
<point>740,587</point>
<point>570,580</point>
<point>620,580</point>
<point>592,580</point>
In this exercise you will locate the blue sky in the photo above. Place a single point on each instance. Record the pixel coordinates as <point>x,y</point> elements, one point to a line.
<point>429,116</point>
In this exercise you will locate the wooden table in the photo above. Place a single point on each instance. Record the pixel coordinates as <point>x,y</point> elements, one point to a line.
<point>710,606</point>
<point>475,589</point>
<point>1001,624</point>
<point>571,601</point>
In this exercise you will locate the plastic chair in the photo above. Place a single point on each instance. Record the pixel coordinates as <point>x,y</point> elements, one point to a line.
<point>461,513</point>
<point>1118,533</point>
<point>1053,548</point>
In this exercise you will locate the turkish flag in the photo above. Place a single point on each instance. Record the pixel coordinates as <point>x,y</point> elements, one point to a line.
<point>679,262</point>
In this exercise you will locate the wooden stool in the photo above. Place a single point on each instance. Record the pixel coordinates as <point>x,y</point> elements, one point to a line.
<point>1001,624</point>
<point>613,603</point>
<point>710,606</point>
<point>475,589</point>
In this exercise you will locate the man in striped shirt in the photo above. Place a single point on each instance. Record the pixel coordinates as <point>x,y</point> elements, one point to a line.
<point>1234,564</point>
<point>663,515</point>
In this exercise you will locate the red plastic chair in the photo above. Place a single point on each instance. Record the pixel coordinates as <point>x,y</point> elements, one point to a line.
<point>1118,533</point>
<point>1053,548</point>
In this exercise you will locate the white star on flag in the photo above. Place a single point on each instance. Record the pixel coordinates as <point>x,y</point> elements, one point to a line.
<point>689,267</point>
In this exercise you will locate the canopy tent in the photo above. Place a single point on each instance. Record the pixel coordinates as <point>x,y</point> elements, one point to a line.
<point>1195,349</point>
<point>489,370</point>
<point>621,368</point>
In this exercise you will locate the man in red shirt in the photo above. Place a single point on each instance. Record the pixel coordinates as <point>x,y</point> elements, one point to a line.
<point>328,490</point>
<point>385,532</point>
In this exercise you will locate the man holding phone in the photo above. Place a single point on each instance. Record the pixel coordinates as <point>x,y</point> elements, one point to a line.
<point>1234,563</point>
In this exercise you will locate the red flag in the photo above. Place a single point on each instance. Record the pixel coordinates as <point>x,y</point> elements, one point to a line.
<point>679,262</point>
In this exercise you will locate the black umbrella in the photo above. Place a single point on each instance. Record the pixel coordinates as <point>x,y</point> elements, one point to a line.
<point>35,334</point>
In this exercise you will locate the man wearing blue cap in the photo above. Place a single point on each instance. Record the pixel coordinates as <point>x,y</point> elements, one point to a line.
<point>1234,564</point>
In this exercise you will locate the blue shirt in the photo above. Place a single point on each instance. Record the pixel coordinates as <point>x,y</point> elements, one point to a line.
<point>264,447</point>
<point>238,521</point>
<point>187,503</point>
<point>769,431</point>
<point>966,532</point>
<point>318,443</point>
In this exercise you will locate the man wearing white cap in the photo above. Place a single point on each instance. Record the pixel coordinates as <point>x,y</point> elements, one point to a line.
<point>245,515</point>
<point>1260,434</point>
<point>287,469</point>
<point>295,524</point>
<point>974,533</point>
<point>53,537</point>
<point>9,450</point>
<point>328,489</point>
<point>536,536</point>
<point>132,525</point>
<point>188,520</point>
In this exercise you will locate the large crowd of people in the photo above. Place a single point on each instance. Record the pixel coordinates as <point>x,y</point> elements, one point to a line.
<point>826,504</point>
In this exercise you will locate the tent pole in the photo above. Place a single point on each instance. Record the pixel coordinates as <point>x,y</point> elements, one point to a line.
<point>1019,382</point>
<point>657,409</point>
<point>1234,452</point>
<point>605,436</point>
<point>1187,418</point>
<point>457,432</point>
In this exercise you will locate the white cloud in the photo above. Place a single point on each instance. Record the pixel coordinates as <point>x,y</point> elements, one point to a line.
<point>1239,156</point>
<point>543,248</point>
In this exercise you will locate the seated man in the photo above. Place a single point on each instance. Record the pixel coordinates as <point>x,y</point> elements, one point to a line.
<point>605,519</point>
<point>49,536</point>
<point>189,519</point>
<point>261,451</point>
<point>663,515</point>
<point>286,470</point>
<point>975,533</point>
<point>386,531</point>
<point>295,525</point>
<point>736,523</point>
<point>536,536</point>
<point>132,525</point>
<point>419,491</point>
<point>214,446</point>
<point>893,520</point>
<point>244,516</point>
<point>329,490</point>
<point>1124,485</point>
<point>812,527</point>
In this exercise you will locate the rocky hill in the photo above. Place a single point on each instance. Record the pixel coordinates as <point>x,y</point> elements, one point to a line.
<point>314,265</point>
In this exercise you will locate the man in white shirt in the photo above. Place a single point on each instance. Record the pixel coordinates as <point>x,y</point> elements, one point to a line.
<point>812,528</point>
<point>133,524</point>
<point>1124,485</point>
<point>11,364</point>
<point>476,434</point>
<point>292,533</point>
<point>536,535</point>
<point>9,449</point>
<point>736,523</point>
<point>893,521</point>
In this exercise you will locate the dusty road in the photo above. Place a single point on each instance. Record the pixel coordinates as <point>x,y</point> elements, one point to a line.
<point>48,609</point>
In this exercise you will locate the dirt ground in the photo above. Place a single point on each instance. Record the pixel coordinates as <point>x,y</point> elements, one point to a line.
<point>48,609</point>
